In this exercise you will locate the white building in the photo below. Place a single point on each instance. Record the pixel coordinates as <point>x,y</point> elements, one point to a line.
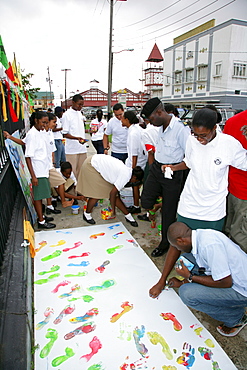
<point>208,65</point>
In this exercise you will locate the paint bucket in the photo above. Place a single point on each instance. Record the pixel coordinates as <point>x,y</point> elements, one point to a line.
<point>159,227</point>
<point>75,210</point>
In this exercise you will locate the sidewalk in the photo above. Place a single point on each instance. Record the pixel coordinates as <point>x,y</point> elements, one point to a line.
<point>148,239</point>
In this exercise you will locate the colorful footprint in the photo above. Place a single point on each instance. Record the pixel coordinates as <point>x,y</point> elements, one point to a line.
<point>48,313</point>
<point>73,289</point>
<point>95,236</point>
<point>48,280</point>
<point>95,346</point>
<point>60,359</point>
<point>106,284</point>
<point>63,283</point>
<point>55,254</point>
<point>52,269</point>
<point>156,338</point>
<point>84,329</point>
<point>101,268</point>
<point>126,308</point>
<point>88,315</point>
<point>52,335</point>
<point>138,334</point>
<point>60,242</point>
<point>169,316</point>
<point>113,249</point>
<point>76,245</point>
<point>66,311</point>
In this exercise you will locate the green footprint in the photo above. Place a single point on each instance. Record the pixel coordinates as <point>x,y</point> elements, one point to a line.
<point>55,254</point>
<point>44,281</point>
<point>52,335</point>
<point>106,284</point>
<point>86,298</point>
<point>95,367</point>
<point>113,249</point>
<point>80,274</point>
<point>60,359</point>
<point>53,269</point>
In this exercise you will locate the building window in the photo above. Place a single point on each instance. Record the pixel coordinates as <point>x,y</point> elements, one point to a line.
<point>218,67</point>
<point>239,69</point>
<point>167,79</point>
<point>202,72</point>
<point>178,77</point>
<point>189,75</point>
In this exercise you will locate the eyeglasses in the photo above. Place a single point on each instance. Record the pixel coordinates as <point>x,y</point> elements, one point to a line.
<point>202,136</point>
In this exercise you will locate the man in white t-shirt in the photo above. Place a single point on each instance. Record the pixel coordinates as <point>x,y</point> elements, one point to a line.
<point>59,155</point>
<point>217,284</point>
<point>74,132</point>
<point>119,135</point>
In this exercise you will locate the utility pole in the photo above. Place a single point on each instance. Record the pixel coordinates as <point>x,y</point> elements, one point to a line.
<point>65,85</point>
<point>50,82</point>
<point>110,64</point>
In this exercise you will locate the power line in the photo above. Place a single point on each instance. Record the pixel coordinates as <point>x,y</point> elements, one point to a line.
<point>171,24</point>
<point>167,33</point>
<point>170,15</point>
<point>153,15</point>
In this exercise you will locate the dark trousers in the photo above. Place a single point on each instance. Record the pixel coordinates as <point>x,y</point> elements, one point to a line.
<point>121,156</point>
<point>157,185</point>
<point>98,144</point>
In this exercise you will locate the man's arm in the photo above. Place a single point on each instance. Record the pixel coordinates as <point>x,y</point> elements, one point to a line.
<point>69,136</point>
<point>171,257</point>
<point>206,280</point>
<point>175,167</point>
<point>105,143</point>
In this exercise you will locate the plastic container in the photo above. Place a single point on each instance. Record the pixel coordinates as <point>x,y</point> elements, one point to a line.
<point>159,227</point>
<point>75,210</point>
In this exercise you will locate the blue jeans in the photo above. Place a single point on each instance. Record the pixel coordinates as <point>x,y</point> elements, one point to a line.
<point>121,156</point>
<point>222,304</point>
<point>59,154</point>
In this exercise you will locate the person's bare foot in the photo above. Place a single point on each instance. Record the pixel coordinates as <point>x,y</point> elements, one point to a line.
<point>67,203</point>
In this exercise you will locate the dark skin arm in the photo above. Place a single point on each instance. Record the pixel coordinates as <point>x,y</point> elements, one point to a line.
<point>105,143</point>
<point>68,136</point>
<point>175,167</point>
<point>171,257</point>
<point>30,167</point>
<point>206,280</point>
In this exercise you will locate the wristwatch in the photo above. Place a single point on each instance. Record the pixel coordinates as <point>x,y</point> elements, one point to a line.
<point>190,278</point>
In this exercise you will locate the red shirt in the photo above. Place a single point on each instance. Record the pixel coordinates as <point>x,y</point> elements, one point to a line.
<point>237,178</point>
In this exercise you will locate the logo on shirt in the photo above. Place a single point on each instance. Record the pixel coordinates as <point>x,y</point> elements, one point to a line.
<point>217,161</point>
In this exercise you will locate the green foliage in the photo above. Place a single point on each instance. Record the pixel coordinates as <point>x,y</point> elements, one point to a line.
<point>28,86</point>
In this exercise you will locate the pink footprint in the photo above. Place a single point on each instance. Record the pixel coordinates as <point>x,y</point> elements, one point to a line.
<point>63,283</point>
<point>83,255</point>
<point>76,245</point>
<point>95,346</point>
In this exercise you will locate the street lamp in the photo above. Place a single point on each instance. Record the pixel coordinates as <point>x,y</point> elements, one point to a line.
<point>65,85</point>
<point>110,79</point>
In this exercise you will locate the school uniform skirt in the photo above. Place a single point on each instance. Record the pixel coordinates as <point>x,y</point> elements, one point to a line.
<point>90,182</point>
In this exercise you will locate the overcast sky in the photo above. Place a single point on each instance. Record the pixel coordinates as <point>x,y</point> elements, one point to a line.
<point>74,34</point>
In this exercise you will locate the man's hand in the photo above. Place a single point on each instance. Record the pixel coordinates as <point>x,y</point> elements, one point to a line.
<point>182,270</point>
<point>176,283</point>
<point>155,291</point>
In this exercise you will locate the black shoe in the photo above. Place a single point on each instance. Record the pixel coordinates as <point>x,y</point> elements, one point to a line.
<point>133,223</point>
<point>48,219</point>
<point>46,225</point>
<point>143,217</point>
<point>157,252</point>
<point>54,211</point>
<point>91,221</point>
<point>54,203</point>
<point>133,209</point>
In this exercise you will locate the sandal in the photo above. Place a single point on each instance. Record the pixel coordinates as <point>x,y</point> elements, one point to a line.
<point>238,328</point>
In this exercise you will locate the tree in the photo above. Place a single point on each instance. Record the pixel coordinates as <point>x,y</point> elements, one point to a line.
<point>27,86</point>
